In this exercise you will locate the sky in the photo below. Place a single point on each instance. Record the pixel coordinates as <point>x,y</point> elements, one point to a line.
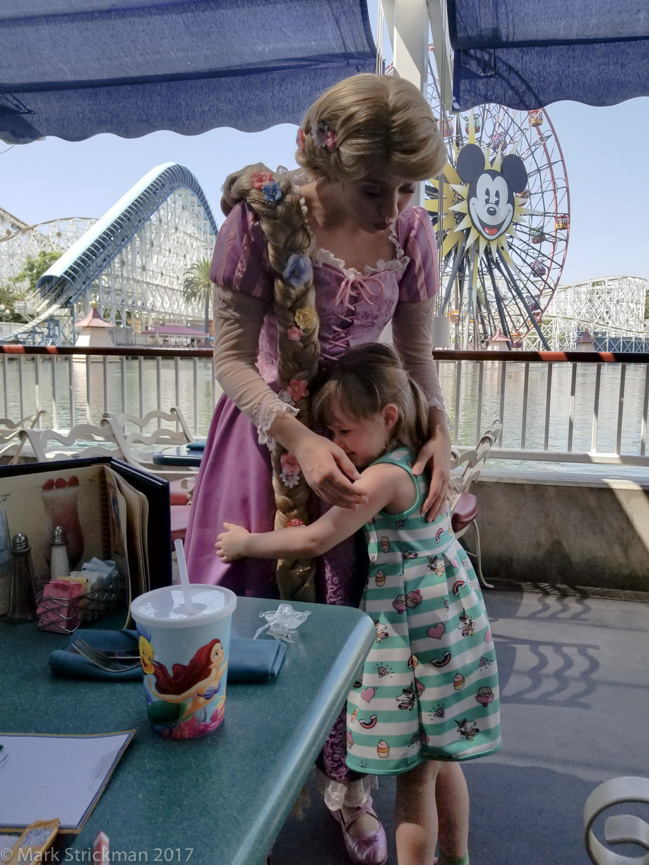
<point>605,152</point>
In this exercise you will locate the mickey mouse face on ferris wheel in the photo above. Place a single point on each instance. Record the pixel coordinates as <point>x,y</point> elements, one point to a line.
<point>491,192</point>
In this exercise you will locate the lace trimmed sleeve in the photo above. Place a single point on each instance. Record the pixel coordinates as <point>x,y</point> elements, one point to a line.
<point>238,320</point>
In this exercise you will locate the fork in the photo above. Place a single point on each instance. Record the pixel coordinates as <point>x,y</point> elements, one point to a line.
<point>112,662</point>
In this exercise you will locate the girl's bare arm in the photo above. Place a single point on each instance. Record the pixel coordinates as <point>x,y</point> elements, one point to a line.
<point>386,485</point>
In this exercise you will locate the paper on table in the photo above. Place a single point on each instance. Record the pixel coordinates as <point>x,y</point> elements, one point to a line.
<point>55,776</point>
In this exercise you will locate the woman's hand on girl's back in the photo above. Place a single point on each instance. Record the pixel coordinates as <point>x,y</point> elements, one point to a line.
<point>329,471</point>
<point>437,453</point>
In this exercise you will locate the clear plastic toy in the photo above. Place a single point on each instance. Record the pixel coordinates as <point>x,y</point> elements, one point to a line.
<point>281,622</point>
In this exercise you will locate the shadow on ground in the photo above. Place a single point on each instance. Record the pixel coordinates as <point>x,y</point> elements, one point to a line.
<point>574,675</point>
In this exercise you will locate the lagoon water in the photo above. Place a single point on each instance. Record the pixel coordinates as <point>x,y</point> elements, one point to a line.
<point>139,387</point>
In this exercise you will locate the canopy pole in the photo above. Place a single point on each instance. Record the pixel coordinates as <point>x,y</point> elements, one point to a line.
<point>407,25</point>
<point>438,17</point>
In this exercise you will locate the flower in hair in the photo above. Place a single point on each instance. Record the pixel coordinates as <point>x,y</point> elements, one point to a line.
<point>259,178</point>
<point>272,192</point>
<point>306,318</point>
<point>296,521</point>
<point>324,137</point>
<point>294,333</point>
<point>300,140</point>
<point>290,473</point>
<point>298,388</point>
<point>298,270</point>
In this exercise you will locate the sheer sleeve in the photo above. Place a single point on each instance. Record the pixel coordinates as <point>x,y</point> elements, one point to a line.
<point>242,298</point>
<point>412,334</point>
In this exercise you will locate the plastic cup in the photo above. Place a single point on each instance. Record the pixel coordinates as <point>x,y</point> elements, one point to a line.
<point>184,657</point>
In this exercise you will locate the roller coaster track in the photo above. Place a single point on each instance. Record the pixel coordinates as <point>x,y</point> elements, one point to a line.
<point>76,270</point>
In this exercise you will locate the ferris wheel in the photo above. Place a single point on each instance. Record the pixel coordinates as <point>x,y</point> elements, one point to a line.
<point>501,211</point>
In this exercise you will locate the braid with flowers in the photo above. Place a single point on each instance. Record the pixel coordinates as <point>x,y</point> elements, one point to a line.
<point>279,211</point>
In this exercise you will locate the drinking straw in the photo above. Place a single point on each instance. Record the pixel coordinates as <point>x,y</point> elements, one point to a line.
<point>184,576</point>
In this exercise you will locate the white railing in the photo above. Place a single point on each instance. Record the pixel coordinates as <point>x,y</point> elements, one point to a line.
<point>556,407</point>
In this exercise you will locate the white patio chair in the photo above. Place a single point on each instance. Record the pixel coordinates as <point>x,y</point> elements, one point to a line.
<point>83,440</point>
<point>11,443</point>
<point>466,467</point>
<point>139,438</point>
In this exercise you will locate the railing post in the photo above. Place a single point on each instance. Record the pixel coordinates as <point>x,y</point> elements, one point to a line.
<point>548,403</point>
<point>72,401</point>
<point>571,410</point>
<point>503,379</point>
<point>5,361</point>
<point>645,407</point>
<point>598,385</point>
<point>88,383</point>
<point>620,410</point>
<point>526,384</point>
<point>21,369</point>
<point>55,402</point>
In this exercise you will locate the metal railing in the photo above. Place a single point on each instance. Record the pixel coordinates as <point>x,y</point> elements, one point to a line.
<point>573,407</point>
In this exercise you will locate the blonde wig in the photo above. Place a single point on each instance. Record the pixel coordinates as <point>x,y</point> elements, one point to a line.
<point>368,124</point>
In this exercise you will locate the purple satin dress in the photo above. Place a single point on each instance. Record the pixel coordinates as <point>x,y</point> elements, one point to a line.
<point>234,481</point>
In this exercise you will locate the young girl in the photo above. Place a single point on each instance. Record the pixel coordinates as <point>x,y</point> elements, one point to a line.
<point>429,689</point>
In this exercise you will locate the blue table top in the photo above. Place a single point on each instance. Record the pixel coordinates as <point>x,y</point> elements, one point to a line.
<point>224,796</point>
<point>178,457</point>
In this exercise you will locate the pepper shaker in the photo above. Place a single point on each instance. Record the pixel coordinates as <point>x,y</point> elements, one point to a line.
<point>59,561</point>
<point>22,595</point>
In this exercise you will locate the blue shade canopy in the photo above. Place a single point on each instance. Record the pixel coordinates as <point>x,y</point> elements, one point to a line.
<point>75,68</point>
<point>529,53</point>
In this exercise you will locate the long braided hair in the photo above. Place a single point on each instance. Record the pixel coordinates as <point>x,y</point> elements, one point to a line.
<point>288,240</point>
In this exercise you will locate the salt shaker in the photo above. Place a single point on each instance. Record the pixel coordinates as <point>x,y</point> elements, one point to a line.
<point>59,561</point>
<point>22,597</point>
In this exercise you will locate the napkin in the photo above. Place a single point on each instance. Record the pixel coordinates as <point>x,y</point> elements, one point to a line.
<point>249,660</point>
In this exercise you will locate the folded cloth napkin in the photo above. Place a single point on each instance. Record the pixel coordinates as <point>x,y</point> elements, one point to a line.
<point>249,660</point>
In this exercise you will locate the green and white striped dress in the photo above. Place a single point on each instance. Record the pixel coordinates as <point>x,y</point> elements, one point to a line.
<point>429,688</point>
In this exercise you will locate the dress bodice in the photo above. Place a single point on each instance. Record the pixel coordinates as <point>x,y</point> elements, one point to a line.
<point>353,307</point>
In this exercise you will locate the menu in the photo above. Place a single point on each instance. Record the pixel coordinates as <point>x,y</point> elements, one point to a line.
<point>50,777</point>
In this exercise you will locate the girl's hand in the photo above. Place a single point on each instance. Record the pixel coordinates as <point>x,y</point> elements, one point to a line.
<point>329,471</point>
<point>437,452</point>
<point>231,544</point>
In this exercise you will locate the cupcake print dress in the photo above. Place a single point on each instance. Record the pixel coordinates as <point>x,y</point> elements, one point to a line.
<point>429,687</point>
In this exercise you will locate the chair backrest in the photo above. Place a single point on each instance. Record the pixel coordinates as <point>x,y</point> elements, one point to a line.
<point>83,440</point>
<point>130,424</point>
<point>11,444</point>
<point>7,425</point>
<point>467,465</point>
<point>138,437</point>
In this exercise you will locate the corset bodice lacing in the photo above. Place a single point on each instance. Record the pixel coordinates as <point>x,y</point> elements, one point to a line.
<point>352,290</point>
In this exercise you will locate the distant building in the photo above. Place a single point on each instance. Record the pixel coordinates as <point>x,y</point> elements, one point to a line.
<point>498,342</point>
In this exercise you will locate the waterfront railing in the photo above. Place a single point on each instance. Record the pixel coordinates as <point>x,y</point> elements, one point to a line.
<point>556,407</point>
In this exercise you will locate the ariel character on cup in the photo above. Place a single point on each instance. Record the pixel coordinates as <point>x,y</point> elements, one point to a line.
<point>184,700</point>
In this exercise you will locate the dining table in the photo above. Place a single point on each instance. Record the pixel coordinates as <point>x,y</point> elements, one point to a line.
<point>220,799</point>
<point>184,456</point>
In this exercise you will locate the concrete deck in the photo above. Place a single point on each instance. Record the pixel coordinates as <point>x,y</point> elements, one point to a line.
<point>574,676</point>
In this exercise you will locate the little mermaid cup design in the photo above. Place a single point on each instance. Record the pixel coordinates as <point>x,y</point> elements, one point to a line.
<point>184,654</point>
<point>60,498</point>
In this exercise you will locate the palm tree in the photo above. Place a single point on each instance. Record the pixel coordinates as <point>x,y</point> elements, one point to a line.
<point>197,286</point>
